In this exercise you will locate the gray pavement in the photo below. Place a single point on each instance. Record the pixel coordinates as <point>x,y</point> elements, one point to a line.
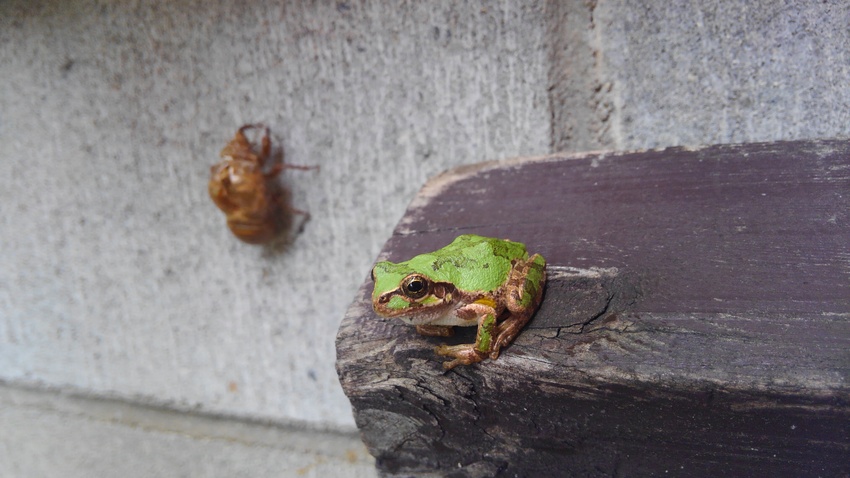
<point>50,434</point>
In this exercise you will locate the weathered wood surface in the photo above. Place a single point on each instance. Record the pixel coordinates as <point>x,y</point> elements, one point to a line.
<point>696,321</point>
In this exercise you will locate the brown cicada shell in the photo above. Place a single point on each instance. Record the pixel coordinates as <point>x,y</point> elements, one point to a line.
<point>241,186</point>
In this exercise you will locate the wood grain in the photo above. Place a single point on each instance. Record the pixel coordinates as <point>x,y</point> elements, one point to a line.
<point>696,321</point>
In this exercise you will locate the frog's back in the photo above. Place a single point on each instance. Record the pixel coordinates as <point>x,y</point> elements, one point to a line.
<point>471,262</point>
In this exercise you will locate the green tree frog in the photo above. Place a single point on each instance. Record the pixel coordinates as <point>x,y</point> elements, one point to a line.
<point>474,281</point>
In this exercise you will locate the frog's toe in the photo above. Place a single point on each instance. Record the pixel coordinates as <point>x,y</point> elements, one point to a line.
<point>451,364</point>
<point>451,350</point>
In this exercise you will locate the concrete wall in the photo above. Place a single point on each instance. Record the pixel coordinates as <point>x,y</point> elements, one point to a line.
<point>695,72</point>
<point>119,277</point>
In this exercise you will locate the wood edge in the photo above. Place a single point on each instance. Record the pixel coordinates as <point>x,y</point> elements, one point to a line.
<point>434,186</point>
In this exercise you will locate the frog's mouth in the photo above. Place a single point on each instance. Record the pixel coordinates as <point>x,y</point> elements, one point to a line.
<point>434,308</point>
<point>418,313</point>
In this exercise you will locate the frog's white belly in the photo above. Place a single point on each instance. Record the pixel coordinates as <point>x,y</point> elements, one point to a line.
<point>442,316</point>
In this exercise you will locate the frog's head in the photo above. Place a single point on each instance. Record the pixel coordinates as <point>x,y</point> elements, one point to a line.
<point>410,294</point>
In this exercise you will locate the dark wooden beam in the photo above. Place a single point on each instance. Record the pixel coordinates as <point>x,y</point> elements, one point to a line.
<point>696,321</point>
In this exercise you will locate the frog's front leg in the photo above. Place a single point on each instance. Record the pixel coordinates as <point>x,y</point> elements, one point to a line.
<point>435,330</point>
<point>466,354</point>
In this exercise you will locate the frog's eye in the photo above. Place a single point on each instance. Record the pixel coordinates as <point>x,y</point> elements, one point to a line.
<point>414,286</point>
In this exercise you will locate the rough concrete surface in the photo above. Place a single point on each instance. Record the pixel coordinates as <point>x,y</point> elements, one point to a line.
<point>119,278</point>
<point>47,435</point>
<point>695,72</point>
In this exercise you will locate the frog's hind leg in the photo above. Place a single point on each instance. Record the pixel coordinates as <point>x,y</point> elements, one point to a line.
<point>524,296</point>
<point>507,331</point>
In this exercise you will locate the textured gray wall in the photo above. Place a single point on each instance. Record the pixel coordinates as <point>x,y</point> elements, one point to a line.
<point>696,72</point>
<point>118,275</point>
